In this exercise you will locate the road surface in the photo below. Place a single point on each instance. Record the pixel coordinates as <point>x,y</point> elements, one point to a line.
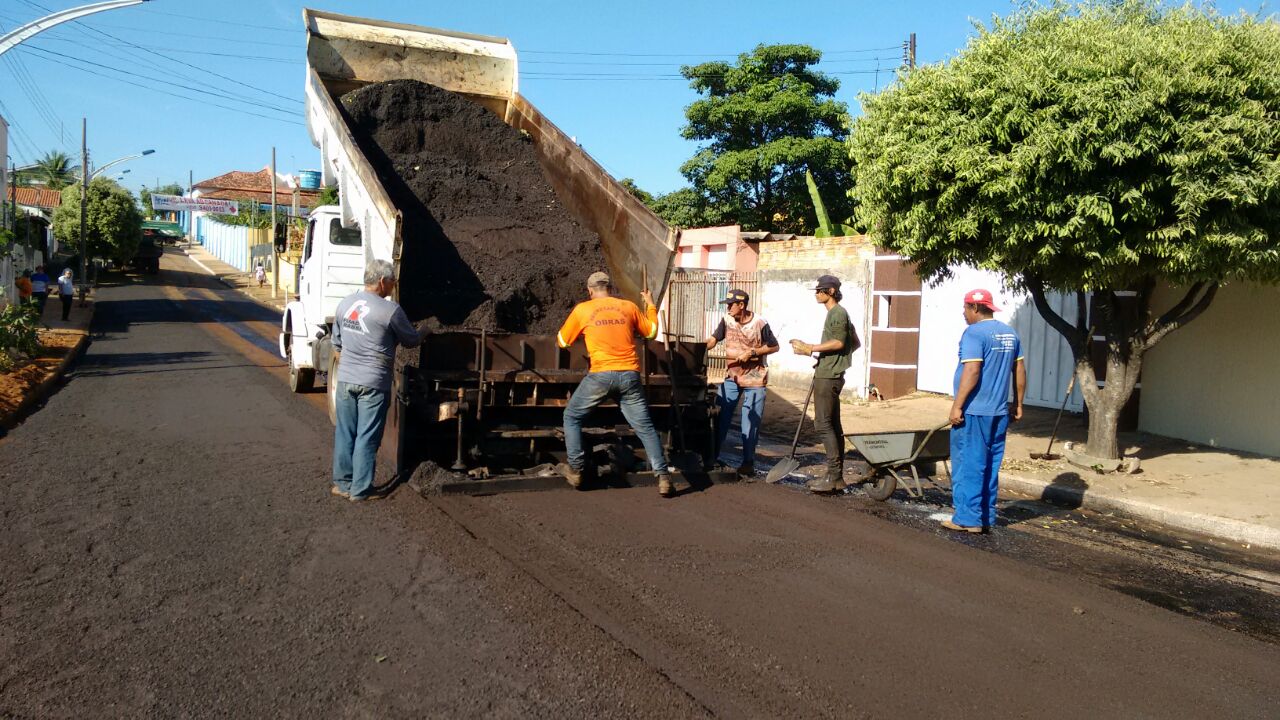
<point>171,549</point>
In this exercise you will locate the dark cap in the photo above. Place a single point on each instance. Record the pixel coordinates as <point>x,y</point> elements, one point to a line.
<point>734,296</point>
<point>828,282</point>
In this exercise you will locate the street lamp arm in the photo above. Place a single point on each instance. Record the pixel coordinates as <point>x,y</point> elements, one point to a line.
<point>34,27</point>
<point>117,161</point>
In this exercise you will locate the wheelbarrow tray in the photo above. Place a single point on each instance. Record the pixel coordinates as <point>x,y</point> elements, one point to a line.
<point>899,448</point>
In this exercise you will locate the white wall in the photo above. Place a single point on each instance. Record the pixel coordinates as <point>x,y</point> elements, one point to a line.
<point>792,312</point>
<point>1049,359</point>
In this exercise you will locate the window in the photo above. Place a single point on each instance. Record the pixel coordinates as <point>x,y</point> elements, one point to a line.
<point>306,247</point>
<point>347,237</point>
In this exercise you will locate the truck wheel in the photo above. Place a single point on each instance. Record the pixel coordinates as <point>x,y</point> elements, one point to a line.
<point>882,485</point>
<point>331,389</point>
<point>301,380</point>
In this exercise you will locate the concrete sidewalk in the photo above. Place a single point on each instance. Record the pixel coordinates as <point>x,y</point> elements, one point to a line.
<point>235,278</point>
<point>1230,495</point>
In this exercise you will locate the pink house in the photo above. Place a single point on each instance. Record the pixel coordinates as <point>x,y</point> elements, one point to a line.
<point>724,248</point>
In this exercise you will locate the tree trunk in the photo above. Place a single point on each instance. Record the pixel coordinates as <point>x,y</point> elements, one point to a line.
<point>1128,337</point>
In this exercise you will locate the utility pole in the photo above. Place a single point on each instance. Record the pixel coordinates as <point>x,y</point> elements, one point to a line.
<point>909,52</point>
<point>275,256</point>
<point>84,206</point>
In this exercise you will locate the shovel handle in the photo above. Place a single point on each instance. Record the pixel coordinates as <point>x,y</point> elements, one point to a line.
<point>795,442</point>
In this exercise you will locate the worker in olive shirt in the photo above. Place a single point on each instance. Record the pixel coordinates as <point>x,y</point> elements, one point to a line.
<point>839,341</point>
<point>610,326</point>
<point>748,340</point>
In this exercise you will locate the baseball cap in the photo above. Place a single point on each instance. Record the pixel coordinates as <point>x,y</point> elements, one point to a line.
<point>598,279</point>
<point>981,297</point>
<point>735,295</point>
<point>828,282</point>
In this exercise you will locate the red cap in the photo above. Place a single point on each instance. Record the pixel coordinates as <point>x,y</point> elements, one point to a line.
<point>981,297</point>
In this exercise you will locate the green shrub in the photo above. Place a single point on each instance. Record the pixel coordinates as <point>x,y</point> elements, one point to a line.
<point>19,336</point>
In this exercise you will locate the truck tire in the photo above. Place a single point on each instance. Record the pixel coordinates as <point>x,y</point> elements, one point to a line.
<point>331,389</point>
<point>301,380</point>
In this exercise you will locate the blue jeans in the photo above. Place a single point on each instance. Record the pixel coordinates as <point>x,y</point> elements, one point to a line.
<point>752,412</point>
<point>977,447</point>
<point>624,385</point>
<point>362,416</point>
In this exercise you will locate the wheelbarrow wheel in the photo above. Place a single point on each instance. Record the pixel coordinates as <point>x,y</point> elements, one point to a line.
<point>882,485</point>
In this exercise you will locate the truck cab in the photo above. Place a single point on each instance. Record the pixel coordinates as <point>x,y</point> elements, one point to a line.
<point>332,268</point>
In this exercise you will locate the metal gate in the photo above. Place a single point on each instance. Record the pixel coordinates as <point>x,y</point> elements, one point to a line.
<point>693,308</point>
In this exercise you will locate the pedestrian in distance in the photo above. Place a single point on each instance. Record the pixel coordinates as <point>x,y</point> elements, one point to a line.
<point>40,288</point>
<point>23,283</point>
<point>990,354</point>
<point>610,325</point>
<point>367,328</point>
<point>260,274</point>
<point>834,353</point>
<point>66,292</point>
<point>748,340</point>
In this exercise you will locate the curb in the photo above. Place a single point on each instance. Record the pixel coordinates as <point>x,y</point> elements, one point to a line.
<point>1218,527</point>
<point>44,389</point>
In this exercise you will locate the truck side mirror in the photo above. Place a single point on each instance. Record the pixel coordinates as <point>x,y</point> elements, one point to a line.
<point>281,237</point>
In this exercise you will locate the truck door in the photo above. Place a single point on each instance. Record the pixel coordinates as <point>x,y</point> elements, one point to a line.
<point>310,278</point>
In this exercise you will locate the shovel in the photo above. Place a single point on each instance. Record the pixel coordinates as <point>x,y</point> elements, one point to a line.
<point>1046,455</point>
<point>789,465</point>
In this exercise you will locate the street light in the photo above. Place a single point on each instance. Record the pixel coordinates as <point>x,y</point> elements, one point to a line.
<point>117,161</point>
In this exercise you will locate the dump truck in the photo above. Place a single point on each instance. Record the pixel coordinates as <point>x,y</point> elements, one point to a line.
<point>486,403</point>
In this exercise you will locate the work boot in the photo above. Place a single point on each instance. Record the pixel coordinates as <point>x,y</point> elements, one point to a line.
<point>573,476</point>
<point>974,529</point>
<point>747,471</point>
<point>832,482</point>
<point>665,488</point>
<point>333,490</point>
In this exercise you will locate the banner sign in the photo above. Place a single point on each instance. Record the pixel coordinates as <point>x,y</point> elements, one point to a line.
<point>186,204</point>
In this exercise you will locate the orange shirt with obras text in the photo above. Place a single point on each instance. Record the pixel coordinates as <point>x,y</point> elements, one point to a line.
<point>610,325</point>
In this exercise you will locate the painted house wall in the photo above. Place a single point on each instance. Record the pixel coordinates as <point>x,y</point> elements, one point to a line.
<point>716,248</point>
<point>1217,379</point>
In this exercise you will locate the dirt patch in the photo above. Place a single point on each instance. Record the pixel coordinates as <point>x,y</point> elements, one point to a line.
<point>18,384</point>
<point>487,244</point>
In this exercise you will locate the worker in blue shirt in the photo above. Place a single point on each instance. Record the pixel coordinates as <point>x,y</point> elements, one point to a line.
<point>990,354</point>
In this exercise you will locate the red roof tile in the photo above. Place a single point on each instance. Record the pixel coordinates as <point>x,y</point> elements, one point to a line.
<point>36,197</point>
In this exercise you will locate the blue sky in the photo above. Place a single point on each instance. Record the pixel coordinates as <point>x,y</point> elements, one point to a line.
<point>574,59</point>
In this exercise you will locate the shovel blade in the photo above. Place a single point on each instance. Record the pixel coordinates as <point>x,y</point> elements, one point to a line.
<point>1045,456</point>
<point>782,469</point>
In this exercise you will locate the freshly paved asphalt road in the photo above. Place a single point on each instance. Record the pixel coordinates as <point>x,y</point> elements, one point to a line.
<point>170,549</point>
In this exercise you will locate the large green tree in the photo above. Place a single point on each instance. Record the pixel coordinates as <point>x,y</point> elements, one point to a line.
<point>763,121</point>
<point>113,223</point>
<point>54,170</point>
<point>1091,148</point>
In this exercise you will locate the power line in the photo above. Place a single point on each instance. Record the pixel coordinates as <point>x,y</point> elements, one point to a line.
<point>182,62</point>
<point>270,28</point>
<point>37,97</point>
<point>165,92</point>
<point>233,56</point>
<point>667,64</point>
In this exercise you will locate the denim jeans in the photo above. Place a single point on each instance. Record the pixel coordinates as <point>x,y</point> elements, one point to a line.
<point>826,420</point>
<point>624,385</point>
<point>977,448</point>
<point>752,411</point>
<point>362,416</point>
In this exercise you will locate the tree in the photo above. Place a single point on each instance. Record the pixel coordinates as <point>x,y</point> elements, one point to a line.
<point>144,197</point>
<point>54,171</point>
<point>764,120</point>
<point>113,223</point>
<point>1098,148</point>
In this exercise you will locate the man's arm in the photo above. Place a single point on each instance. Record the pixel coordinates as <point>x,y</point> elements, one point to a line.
<point>768,345</point>
<point>968,381</point>
<point>648,320</point>
<point>570,330</point>
<point>406,334</point>
<point>717,336</point>
<point>1019,386</point>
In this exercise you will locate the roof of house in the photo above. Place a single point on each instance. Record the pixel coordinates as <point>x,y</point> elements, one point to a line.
<point>36,197</point>
<point>241,185</point>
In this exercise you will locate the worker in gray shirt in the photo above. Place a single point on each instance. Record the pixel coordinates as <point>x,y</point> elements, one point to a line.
<point>367,328</point>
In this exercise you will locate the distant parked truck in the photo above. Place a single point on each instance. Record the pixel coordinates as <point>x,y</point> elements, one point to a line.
<point>487,402</point>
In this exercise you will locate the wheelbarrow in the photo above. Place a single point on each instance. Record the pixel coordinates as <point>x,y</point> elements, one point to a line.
<point>894,458</point>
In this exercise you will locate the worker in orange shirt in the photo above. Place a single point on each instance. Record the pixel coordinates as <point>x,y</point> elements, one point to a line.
<point>610,325</point>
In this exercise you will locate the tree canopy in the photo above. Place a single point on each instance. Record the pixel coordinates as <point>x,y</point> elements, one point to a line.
<point>763,121</point>
<point>54,170</point>
<point>144,197</point>
<point>1088,147</point>
<point>113,223</point>
<point>1092,148</point>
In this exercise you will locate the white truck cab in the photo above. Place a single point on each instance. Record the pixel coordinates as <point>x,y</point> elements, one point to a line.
<point>333,262</point>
